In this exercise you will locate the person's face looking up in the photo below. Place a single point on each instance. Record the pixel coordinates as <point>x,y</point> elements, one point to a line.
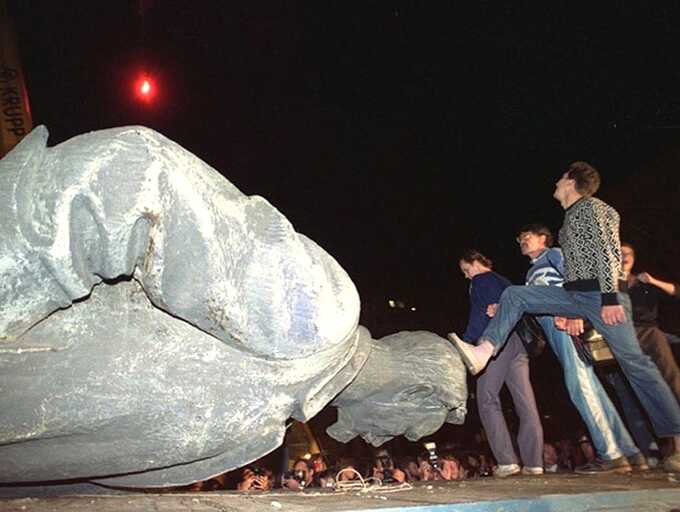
<point>563,187</point>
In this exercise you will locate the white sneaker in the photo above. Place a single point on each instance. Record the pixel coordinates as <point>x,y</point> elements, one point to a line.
<point>467,354</point>
<point>505,470</point>
<point>532,470</point>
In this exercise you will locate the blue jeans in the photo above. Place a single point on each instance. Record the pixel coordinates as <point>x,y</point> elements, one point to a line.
<point>635,416</point>
<point>654,394</point>
<point>607,431</point>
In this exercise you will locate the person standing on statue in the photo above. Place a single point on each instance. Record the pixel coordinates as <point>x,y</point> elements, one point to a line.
<point>510,367</point>
<point>616,450</point>
<point>593,289</point>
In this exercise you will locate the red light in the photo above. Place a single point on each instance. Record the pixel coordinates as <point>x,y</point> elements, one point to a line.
<point>145,88</point>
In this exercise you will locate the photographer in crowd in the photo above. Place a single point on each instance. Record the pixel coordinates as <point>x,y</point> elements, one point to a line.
<point>255,478</point>
<point>385,470</point>
<point>300,477</point>
<point>446,468</point>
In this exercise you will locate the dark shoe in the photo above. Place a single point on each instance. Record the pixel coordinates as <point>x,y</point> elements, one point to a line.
<point>638,462</point>
<point>604,467</point>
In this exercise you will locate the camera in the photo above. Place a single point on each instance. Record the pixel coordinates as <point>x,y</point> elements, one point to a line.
<point>387,465</point>
<point>388,476</point>
<point>325,478</point>
<point>432,455</point>
<point>257,471</point>
<point>299,475</point>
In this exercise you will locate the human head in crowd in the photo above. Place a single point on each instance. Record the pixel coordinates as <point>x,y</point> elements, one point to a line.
<point>469,464</point>
<point>586,178</point>
<point>347,470</point>
<point>473,262</point>
<point>216,483</point>
<point>410,466</point>
<point>565,453</point>
<point>586,448</point>
<point>385,470</point>
<point>580,180</point>
<point>627,257</point>
<point>474,466</point>
<point>323,475</point>
<point>255,478</point>
<point>550,458</point>
<point>299,477</point>
<point>318,463</point>
<point>533,239</point>
<point>325,478</point>
<point>486,465</point>
<point>448,468</point>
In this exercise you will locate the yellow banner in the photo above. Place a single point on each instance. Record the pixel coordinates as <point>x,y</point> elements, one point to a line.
<point>15,112</point>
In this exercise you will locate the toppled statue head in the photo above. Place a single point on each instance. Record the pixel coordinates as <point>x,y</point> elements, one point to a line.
<point>153,316</point>
<point>159,327</point>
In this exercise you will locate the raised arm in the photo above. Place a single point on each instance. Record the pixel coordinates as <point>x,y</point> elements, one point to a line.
<point>666,287</point>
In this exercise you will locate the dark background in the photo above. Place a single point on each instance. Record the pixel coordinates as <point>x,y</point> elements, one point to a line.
<point>394,134</point>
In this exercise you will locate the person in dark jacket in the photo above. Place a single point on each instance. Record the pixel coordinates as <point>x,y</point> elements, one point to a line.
<point>509,367</point>
<point>645,293</point>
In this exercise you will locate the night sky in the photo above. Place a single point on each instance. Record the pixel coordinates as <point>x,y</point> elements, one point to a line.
<point>394,134</point>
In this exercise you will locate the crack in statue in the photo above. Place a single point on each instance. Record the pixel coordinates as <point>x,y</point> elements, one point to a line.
<point>158,327</point>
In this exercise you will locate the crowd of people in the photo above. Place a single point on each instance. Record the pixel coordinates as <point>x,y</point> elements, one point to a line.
<point>455,462</point>
<point>586,287</point>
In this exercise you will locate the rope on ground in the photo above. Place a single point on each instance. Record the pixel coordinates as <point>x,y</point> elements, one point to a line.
<point>362,485</point>
<point>368,485</point>
<point>371,484</point>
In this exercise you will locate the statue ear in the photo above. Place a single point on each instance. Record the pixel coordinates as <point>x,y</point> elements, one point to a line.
<point>24,161</point>
<point>28,153</point>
